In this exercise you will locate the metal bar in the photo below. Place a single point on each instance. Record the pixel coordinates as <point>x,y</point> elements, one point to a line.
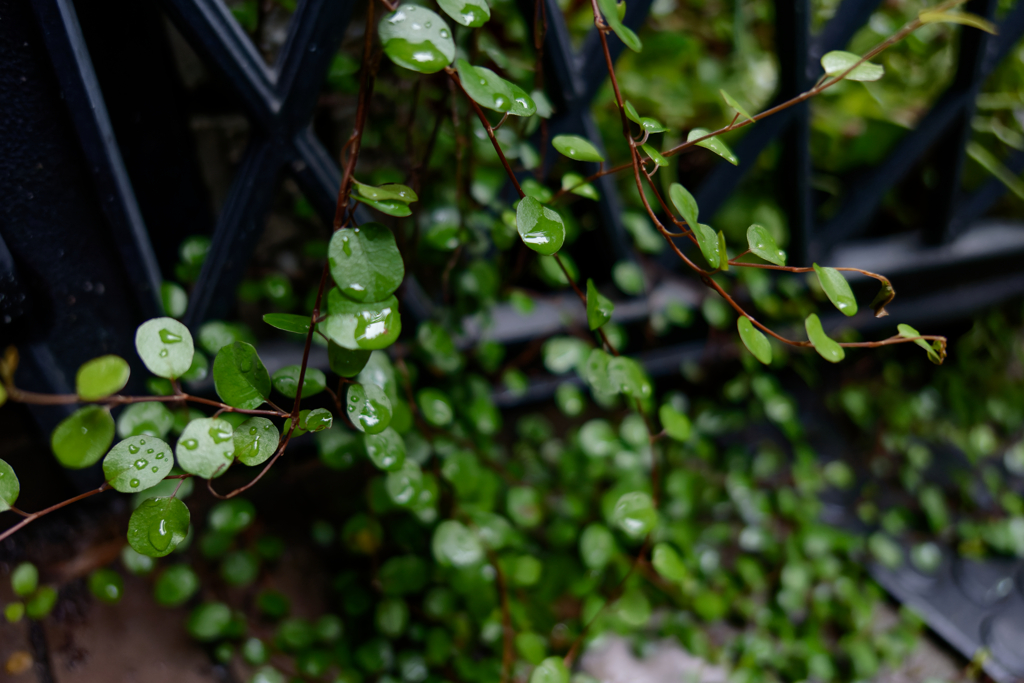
<point>977,203</point>
<point>239,228</point>
<point>849,17</point>
<point>81,90</point>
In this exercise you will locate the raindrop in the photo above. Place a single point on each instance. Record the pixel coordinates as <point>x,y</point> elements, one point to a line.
<point>168,337</point>
<point>190,444</point>
<point>134,483</point>
<point>133,449</point>
<point>141,464</point>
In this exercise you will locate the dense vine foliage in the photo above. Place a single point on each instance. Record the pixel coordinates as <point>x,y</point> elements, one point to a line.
<point>470,548</point>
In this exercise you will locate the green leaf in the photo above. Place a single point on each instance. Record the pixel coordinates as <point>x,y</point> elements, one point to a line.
<point>346,362</point>
<point>42,603</point>
<point>645,122</point>
<point>386,450</point>
<point>715,144</point>
<point>315,420</point>
<point>83,437</point>
<point>165,347</point>
<point>654,154</point>
<point>755,341</point>
<point>610,11</point>
<point>836,62</point>
<point>289,322</point>
<point>524,506</point>
<point>417,39</point>
<point>964,18</point>
<point>574,182</point>
<point>404,484</point>
<point>175,586</point>
<point>401,193</point>
<point>736,105</point>
<point>365,326</point>
<point>884,297</point>
<point>10,487</point>
<point>206,448</point>
<point>149,417</point>
<point>466,12</point>
<point>827,348</point>
<point>629,277</point>
<point>158,526</point>
<point>837,289</point>
<point>667,562</point>
<point>24,579</point>
<point>676,424</point>
<point>365,262</point>
<point>551,670</point>
<point>723,252</point>
<point>539,227</point>
<point>628,376</point>
<point>174,299</point>
<point>761,243</point>
<point>595,373</point>
<point>209,621</point>
<point>522,102</point>
<point>684,202</point>
<point>455,545</point>
<point>599,307</point>
<point>906,331</point>
<point>597,546</point>
<point>634,513</point>
<point>436,407</point>
<point>576,147</point>
<point>390,207</point>
<point>707,240</point>
<point>106,585</point>
<point>286,381</point>
<point>484,87</point>
<point>137,463</point>
<point>255,440</point>
<point>991,163</point>
<point>239,376</point>
<point>101,377</point>
<point>232,516</point>
<point>368,408</point>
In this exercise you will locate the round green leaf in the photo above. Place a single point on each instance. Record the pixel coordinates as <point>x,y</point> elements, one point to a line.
<point>597,546</point>
<point>386,450</point>
<point>574,182</point>
<point>390,207</point>
<point>175,586</point>
<point>417,39</point>
<point>346,362</point>
<point>655,155</point>
<point>25,579</point>
<point>206,447</point>
<point>436,407</point>
<point>288,322</point>
<point>149,417</point>
<point>552,669</point>
<point>209,621</point>
<point>595,372</point>
<point>83,437</point>
<point>165,347</point>
<point>158,526</point>
<point>404,484</point>
<point>837,289</point>
<point>755,341</point>
<point>10,487</point>
<point>455,545</point>
<point>667,562</point>
<point>106,585</point>
<point>41,603</point>
<point>101,377</point>
<point>315,420</point>
<point>634,513</point>
<point>466,12</point>
<point>540,227</point>
<point>761,243</point>
<point>836,62</point>
<point>402,193</point>
<point>610,10</point>
<point>255,440</point>
<point>576,147</point>
<point>365,263</point>
<point>362,326</point>
<point>286,381</point>
<point>524,506</point>
<point>239,376</point>
<point>369,408</point>
<point>174,299</point>
<point>522,102</point>
<point>484,87</point>
<point>829,349</point>
<point>715,144</point>
<point>599,307</point>
<point>675,423</point>
<point>137,463</point>
<point>684,202</point>
<point>628,376</point>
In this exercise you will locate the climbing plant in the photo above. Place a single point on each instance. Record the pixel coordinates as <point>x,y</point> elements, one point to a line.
<point>479,552</point>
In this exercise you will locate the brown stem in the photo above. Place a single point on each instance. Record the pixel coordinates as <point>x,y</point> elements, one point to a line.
<point>33,398</point>
<point>36,515</point>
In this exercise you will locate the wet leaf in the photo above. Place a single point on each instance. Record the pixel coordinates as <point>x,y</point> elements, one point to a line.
<point>576,147</point>
<point>470,13</point>
<point>83,437</point>
<point>404,484</point>
<point>836,62</point>
<point>628,376</point>
<point>723,252</point>
<point>715,144</point>
<point>239,376</point>
<point>255,440</point>
<point>610,11</point>
<point>149,417</point>
<point>289,322</point>
<point>390,207</point>
<point>101,377</point>
<point>599,307</point>
<point>368,407</point>
<point>762,243</point>
<point>175,585</point>
<point>158,526</point>
<point>522,102</point>
<point>362,326</point>
<point>436,407</point>
<point>417,39</point>
<point>484,87</point>
<point>655,155</point>
<point>736,105</point>
<point>286,381</point>
<point>395,191</point>
<point>829,349</point>
<point>106,585</point>
<point>315,420</point>
<point>755,340</point>
<point>165,347</point>
<point>574,183</point>
<point>595,372</point>
<point>10,487</point>
<point>707,240</point>
<point>137,463</point>
<point>386,450</point>
<point>551,670</point>
<point>206,448</point>
<point>684,202</point>
<point>455,545</point>
<point>346,362</point>
<point>634,513</point>
<point>837,289</point>
<point>647,123</point>
<point>540,227</point>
